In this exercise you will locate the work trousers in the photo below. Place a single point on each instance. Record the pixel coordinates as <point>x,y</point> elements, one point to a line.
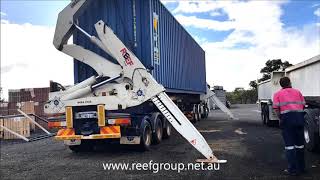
<point>292,124</point>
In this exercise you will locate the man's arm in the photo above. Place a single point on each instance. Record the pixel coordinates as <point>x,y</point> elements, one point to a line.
<point>277,111</point>
<point>276,105</point>
<point>302,100</point>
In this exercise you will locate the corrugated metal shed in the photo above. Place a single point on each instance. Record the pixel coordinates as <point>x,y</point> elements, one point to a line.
<point>149,30</point>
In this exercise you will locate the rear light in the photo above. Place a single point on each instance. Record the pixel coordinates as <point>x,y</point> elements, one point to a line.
<point>120,121</point>
<point>57,124</point>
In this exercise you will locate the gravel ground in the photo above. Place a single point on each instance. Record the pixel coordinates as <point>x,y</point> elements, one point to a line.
<point>253,151</point>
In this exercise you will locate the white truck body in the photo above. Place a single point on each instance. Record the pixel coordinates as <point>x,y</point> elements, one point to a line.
<point>305,76</point>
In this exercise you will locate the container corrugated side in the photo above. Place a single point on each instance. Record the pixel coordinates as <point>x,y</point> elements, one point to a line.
<point>119,16</point>
<point>181,63</point>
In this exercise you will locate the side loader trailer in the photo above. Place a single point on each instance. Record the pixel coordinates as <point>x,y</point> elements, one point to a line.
<point>137,73</point>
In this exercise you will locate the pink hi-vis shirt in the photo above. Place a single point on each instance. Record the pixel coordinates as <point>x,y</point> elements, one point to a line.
<point>288,100</point>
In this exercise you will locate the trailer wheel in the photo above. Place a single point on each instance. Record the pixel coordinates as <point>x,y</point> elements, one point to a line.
<point>203,111</point>
<point>207,111</point>
<point>85,146</point>
<point>310,135</point>
<point>267,120</point>
<point>195,117</point>
<point>167,130</point>
<point>266,115</point>
<point>263,114</point>
<point>194,114</point>
<point>199,112</point>
<point>146,136</point>
<point>157,135</point>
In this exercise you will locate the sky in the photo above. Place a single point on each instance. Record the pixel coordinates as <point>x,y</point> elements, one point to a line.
<point>237,36</point>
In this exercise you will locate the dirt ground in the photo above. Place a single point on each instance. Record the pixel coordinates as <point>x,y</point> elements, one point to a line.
<point>253,151</point>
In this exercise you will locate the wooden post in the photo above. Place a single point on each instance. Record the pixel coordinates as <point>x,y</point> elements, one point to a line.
<point>12,132</point>
<point>34,122</point>
<point>1,129</point>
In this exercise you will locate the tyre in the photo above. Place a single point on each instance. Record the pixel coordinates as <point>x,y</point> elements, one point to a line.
<point>199,112</point>
<point>194,114</point>
<point>228,104</point>
<point>267,120</point>
<point>263,118</point>
<point>146,136</point>
<point>167,130</point>
<point>203,111</point>
<point>85,146</point>
<point>311,136</point>
<point>195,117</point>
<point>206,111</point>
<point>158,133</point>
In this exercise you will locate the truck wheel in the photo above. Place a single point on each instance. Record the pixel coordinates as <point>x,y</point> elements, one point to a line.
<point>157,135</point>
<point>203,112</point>
<point>263,114</point>
<point>268,122</point>
<point>266,117</point>
<point>263,118</point>
<point>206,112</point>
<point>310,135</point>
<point>199,112</point>
<point>146,136</point>
<point>195,117</point>
<point>194,114</point>
<point>167,130</point>
<point>85,146</point>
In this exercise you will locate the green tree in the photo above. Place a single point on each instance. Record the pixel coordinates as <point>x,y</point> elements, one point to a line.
<point>273,65</point>
<point>253,84</point>
<point>239,95</point>
<point>242,96</point>
<point>1,93</point>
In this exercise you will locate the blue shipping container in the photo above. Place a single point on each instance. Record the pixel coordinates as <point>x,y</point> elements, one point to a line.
<point>149,30</point>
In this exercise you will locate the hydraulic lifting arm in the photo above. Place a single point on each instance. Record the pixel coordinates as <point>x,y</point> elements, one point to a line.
<point>129,78</point>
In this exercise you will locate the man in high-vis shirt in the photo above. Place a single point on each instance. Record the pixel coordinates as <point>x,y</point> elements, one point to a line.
<point>289,104</point>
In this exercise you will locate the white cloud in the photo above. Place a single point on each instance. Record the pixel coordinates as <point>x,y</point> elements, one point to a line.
<point>3,14</point>
<point>215,13</point>
<point>200,40</point>
<point>29,59</point>
<point>258,29</point>
<point>317,12</point>
<point>4,21</point>
<point>204,23</point>
<point>198,6</point>
<point>315,5</point>
<point>165,2</point>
